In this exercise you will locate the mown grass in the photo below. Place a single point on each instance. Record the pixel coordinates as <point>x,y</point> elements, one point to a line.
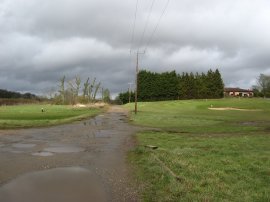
<point>194,116</point>
<point>221,156</point>
<point>24,116</point>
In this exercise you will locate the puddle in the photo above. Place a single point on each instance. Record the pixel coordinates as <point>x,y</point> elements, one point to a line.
<point>99,143</point>
<point>103,134</point>
<point>43,153</point>
<point>16,152</point>
<point>60,184</point>
<point>64,149</point>
<point>11,150</point>
<point>23,145</point>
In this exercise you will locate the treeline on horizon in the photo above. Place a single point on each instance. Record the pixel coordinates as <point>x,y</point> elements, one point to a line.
<point>16,95</point>
<point>153,86</point>
<point>14,98</point>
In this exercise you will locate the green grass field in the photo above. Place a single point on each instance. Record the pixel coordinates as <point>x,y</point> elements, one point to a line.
<point>203,155</point>
<point>24,116</point>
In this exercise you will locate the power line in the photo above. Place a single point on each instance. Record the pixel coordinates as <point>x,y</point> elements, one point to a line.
<point>146,23</point>
<point>155,29</point>
<point>141,39</point>
<point>134,24</point>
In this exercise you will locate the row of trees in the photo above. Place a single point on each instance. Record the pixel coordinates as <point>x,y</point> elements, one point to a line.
<point>262,89</point>
<point>154,86</point>
<point>16,95</point>
<point>201,86</point>
<point>74,91</point>
<point>125,97</point>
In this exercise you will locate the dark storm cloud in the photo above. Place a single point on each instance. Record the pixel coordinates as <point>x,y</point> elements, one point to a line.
<point>40,41</point>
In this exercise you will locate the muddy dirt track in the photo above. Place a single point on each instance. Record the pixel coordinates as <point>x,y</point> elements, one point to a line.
<point>84,161</point>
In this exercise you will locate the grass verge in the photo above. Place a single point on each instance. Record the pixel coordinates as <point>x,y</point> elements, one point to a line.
<point>25,116</point>
<point>222,156</point>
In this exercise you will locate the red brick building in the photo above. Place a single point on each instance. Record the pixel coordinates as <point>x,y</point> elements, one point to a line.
<point>238,92</point>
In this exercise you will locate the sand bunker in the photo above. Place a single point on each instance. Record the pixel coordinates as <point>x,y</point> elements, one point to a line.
<point>92,105</point>
<point>231,108</point>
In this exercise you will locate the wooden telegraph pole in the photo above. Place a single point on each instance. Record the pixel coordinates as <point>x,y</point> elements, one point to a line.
<point>136,79</point>
<point>137,73</point>
<point>136,91</point>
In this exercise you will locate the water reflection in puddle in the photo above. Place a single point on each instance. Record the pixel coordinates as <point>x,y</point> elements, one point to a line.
<point>60,184</point>
<point>43,153</point>
<point>64,149</point>
<point>23,145</point>
<point>17,148</point>
<point>103,133</point>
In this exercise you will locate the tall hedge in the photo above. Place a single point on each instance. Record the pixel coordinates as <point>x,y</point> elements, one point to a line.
<point>157,86</point>
<point>154,86</point>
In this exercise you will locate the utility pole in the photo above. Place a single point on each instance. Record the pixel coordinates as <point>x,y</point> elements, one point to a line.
<point>137,73</point>
<point>136,78</point>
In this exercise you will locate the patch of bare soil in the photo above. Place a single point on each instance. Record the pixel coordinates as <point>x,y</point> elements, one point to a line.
<point>231,108</point>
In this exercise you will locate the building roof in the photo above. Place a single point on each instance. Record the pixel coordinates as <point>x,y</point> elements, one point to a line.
<point>237,90</point>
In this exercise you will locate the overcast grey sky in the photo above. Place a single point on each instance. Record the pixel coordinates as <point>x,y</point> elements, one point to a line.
<point>40,41</point>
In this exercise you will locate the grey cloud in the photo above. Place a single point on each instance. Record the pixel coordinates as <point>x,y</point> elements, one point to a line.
<point>40,41</point>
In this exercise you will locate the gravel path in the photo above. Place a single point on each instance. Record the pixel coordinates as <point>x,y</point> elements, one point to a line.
<point>83,161</point>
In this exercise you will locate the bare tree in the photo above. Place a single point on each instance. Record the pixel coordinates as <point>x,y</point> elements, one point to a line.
<point>51,92</point>
<point>70,95</point>
<point>78,85</point>
<point>106,97</point>
<point>264,84</point>
<point>74,88</point>
<point>62,88</point>
<point>85,88</point>
<point>102,94</point>
<point>90,90</point>
<point>96,90</point>
<point>71,92</point>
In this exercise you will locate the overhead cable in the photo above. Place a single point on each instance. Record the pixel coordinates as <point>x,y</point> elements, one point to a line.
<point>156,27</point>
<point>134,25</point>
<point>146,23</point>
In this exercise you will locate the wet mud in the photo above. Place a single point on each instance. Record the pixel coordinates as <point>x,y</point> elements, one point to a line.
<point>83,161</point>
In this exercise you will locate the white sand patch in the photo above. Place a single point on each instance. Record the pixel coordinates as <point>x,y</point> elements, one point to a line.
<point>231,108</point>
<point>100,104</point>
<point>79,105</point>
<point>91,105</point>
